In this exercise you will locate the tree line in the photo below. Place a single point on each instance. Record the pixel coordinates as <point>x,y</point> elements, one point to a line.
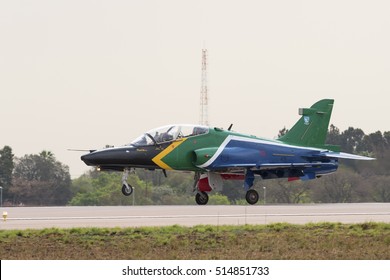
<point>39,179</point>
<point>35,179</point>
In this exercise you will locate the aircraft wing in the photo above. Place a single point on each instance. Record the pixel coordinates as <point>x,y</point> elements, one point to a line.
<point>273,166</point>
<point>269,166</point>
<point>345,156</point>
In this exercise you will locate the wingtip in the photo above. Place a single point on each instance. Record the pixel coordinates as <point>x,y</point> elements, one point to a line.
<point>346,156</point>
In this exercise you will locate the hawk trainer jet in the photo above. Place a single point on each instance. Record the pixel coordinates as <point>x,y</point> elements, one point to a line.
<point>215,154</point>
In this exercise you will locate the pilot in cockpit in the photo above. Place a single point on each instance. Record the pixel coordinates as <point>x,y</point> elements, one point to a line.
<point>199,130</point>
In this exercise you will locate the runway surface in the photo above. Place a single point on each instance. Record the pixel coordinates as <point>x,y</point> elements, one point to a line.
<point>136,216</point>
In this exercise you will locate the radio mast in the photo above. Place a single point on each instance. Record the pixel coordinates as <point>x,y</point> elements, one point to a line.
<point>204,91</point>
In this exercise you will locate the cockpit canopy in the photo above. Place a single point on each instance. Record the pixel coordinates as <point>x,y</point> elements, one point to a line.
<point>168,133</point>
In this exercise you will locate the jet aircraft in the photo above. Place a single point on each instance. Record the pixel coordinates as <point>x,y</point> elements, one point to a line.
<point>215,154</point>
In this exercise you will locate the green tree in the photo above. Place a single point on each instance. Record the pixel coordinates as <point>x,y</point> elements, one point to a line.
<point>40,180</point>
<point>334,136</point>
<point>166,195</point>
<point>6,169</point>
<point>104,188</point>
<point>380,188</point>
<point>218,199</point>
<point>377,143</point>
<point>282,191</point>
<point>234,190</point>
<point>340,187</point>
<point>352,139</point>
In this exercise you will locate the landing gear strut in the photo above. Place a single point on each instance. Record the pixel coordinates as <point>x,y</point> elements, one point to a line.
<point>252,196</point>
<point>127,189</point>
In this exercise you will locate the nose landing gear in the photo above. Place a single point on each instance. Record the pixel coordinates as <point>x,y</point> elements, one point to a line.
<point>127,189</point>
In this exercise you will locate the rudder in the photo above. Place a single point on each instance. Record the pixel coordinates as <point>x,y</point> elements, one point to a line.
<point>311,129</point>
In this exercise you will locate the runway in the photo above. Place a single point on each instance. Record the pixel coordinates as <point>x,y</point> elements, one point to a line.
<point>137,216</point>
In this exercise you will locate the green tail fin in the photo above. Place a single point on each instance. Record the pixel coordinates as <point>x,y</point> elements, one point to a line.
<point>312,127</point>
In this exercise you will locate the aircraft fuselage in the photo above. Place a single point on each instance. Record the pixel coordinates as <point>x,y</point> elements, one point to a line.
<point>218,151</point>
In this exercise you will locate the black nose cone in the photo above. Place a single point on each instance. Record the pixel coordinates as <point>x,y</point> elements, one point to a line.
<point>89,159</point>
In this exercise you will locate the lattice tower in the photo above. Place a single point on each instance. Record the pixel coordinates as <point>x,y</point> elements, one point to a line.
<point>204,91</point>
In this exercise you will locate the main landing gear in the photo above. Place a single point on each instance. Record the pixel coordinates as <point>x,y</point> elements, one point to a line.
<point>201,198</point>
<point>127,189</point>
<point>205,183</point>
<point>252,196</point>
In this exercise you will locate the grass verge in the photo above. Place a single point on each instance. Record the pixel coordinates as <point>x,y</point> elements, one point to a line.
<point>275,241</point>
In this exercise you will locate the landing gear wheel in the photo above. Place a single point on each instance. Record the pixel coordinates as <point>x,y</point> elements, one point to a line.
<point>127,189</point>
<point>202,198</point>
<point>252,196</point>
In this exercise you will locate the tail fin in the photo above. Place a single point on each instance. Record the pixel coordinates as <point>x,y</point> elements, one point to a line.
<point>312,127</point>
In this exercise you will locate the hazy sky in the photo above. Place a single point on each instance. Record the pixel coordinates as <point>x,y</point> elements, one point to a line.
<point>83,74</point>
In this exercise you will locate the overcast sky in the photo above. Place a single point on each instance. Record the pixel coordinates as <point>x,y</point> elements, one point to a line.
<point>82,74</point>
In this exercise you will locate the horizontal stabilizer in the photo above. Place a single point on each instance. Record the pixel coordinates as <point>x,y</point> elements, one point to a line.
<point>345,156</point>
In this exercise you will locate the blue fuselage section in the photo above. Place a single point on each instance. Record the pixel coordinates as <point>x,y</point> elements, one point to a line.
<point>267,157</point>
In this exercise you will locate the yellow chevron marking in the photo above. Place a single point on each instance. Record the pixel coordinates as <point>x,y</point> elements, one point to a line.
<point>158,159</point>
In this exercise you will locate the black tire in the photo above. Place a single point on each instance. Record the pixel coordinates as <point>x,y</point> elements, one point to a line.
<point>252,197</point>
<point>202,198</point>
<point>127,190</point>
